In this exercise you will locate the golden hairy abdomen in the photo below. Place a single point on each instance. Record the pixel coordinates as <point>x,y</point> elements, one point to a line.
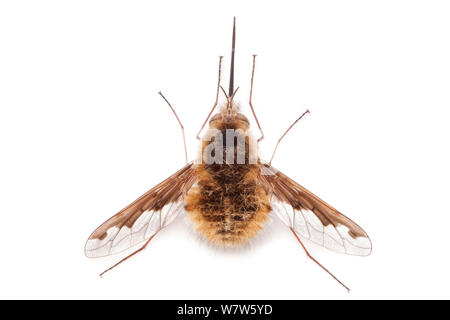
<point>228,206</point>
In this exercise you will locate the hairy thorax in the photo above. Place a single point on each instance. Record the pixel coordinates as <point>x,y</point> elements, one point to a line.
<point>228,206</point>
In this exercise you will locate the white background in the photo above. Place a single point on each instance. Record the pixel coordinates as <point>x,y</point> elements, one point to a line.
<point>83,133</point>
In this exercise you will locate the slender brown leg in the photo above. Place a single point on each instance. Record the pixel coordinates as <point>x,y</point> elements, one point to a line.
<point>279,140</point>
<point>129,256</point>
<point>309,256</point>
<point>217,98</point>
<point>181,125</point>
<point>250,100</point>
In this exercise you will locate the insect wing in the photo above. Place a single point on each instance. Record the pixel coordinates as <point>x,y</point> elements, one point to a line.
<point>144,217</point>
<point>311,217</point>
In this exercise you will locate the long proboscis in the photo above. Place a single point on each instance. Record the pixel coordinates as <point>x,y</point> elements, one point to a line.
<point>233,45</point>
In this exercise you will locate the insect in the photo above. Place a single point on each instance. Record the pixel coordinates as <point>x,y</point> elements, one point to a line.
<point>229,193</point>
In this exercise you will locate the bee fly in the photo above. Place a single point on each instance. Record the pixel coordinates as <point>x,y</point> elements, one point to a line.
<point>229,193</point>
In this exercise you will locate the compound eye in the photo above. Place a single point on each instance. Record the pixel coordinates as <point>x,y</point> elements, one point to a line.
<point>215,120</point>
<point>216,117</point>
<point>242,118</point>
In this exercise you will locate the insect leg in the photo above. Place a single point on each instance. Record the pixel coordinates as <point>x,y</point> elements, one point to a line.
<point>129,256</point>
<point>309,256</point>
<point>250,100</point>
<point>181,125</point>
<point>279,140</point>
<point>217,98</point>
